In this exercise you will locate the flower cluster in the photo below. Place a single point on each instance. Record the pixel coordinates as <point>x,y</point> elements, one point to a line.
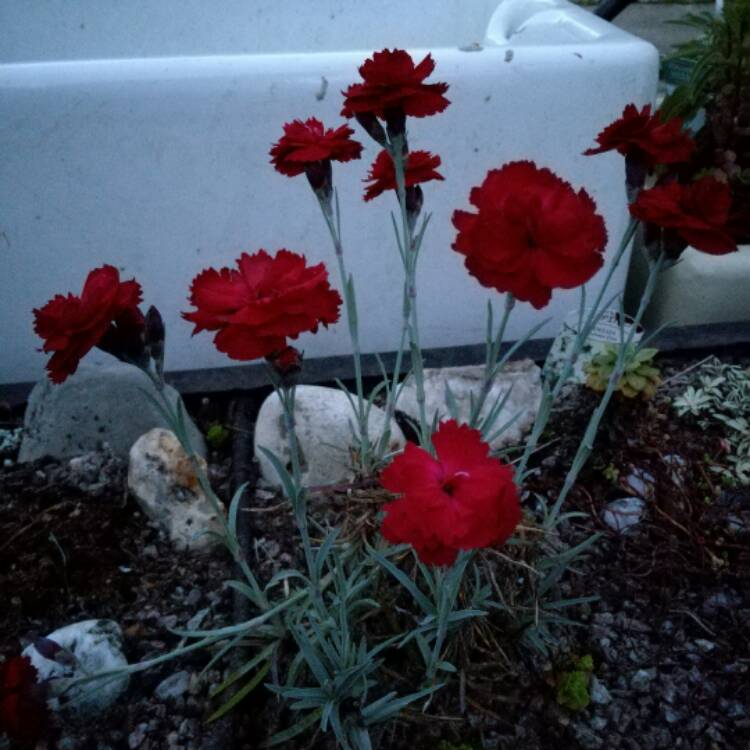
<point>529,232</point>
<point>674,214</point>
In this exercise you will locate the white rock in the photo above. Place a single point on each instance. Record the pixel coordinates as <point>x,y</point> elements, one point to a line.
<point>623,513</point>
<point>162,479</point>
<point>523,376</point>
<point>325,425</point>
<point>97,647</point>
<point>640,483</point>
<point>173,687</point>
<point>101,403</point>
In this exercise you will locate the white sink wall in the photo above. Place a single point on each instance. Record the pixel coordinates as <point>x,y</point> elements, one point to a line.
<point>139,141</point>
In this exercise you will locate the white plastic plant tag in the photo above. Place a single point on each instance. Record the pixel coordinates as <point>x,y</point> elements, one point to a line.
<point>606,331</point>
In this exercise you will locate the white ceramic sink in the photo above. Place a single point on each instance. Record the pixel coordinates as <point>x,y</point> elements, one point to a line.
<point>138,133</point>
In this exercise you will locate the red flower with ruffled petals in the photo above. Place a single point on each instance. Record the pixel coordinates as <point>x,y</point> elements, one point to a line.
<point>645,137</point>
<point>262,303</point>
<point>305,143</point>
<point>23,701</point>
<point>421,166</point>
<point>393,83</point>
<point>532,233</point>
<point>105,315</point>
<point>697,212</point>
<point>459,500</point>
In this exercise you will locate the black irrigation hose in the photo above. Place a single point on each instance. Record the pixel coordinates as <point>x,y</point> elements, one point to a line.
<point>610,9</point>
<point>242,412</point>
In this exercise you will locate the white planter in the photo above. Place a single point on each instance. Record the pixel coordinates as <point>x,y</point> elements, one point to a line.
<point>699,288</point>
<point>138,133</point>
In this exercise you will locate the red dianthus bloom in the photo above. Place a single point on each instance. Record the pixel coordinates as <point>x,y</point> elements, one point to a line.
<point>267,300</point>
<point>23,701</point>
<point>645,137</point>
<point>305,143</point>
<point>532,233</point>
<point>697,212</point>
<point>421,166</point>
<point>393,84</point>
<point>459,500</point>
<point>105,315</point>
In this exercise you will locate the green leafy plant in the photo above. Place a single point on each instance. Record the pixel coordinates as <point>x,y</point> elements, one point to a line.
<point>639,376</point>
<point>720,397</point>
<point>573,685</point>
<point>611,473</point>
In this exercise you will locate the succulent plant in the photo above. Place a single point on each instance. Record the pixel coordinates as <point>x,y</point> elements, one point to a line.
<point>640,377</point>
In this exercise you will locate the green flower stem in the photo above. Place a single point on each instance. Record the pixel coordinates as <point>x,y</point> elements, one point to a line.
<point>299,499</point>
<point>393,390</point>
<point>551,393</point>
<point>410,253</point>
<point>491,365</point>
<point>625,353</point>
<point>445,585</point>
<point>333,222</point>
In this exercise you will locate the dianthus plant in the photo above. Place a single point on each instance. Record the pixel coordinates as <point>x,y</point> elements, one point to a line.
<point>526,233</point>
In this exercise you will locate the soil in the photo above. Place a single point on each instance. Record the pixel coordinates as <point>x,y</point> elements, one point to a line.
<point>669,635</point>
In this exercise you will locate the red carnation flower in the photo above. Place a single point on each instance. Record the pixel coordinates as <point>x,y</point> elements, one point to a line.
<point>462,499</point>
<point>267,300</point>
<point>393,85</point>
<point>646,138</point>
<point>105,315</point>
<point>532,233</point>
<point>308,143</point>
<point>698,213</point>
<point>421,166</point>
<point>23,701</point>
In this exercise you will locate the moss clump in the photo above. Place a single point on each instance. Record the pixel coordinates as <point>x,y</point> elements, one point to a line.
<point>573,685</point>
<point>217,436</point>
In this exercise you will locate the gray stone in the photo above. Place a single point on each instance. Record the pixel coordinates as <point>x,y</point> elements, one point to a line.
<point>587,739</point>
<point>137,737</point>
<point>96,646</point>
<point>623,513</point>
<point>705,645</point>
<point>598,692</point>
<point>163,480</point>
<point>173,687</point>
<point>642,679</point>
<point>99,404</point>
<point>325,426</point>
<point>523,377</point>
<point>10,440</point>
<point>96,472</point>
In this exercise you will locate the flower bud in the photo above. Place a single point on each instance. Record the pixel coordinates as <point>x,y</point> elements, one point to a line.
<point>286,362</point>
<point>372,126</point>
<point>320,176</point>
<point>154,338</point>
